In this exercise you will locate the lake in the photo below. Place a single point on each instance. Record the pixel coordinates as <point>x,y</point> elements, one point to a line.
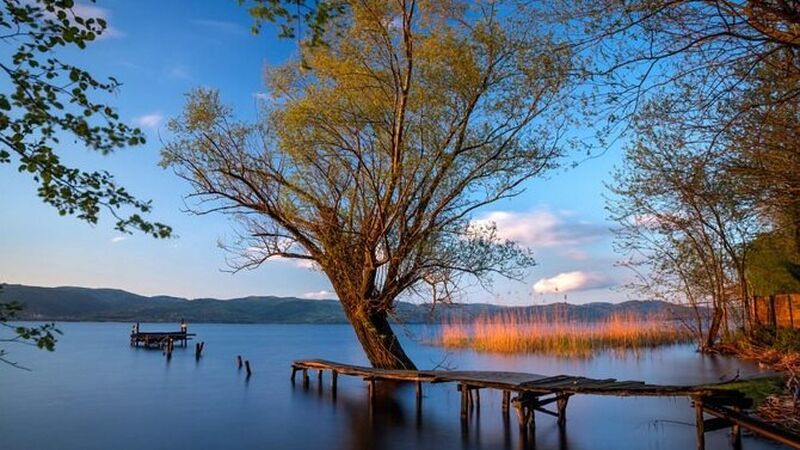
<point>96,392</point>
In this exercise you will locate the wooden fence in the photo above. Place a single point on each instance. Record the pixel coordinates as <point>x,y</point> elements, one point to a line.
<point>780,310</point>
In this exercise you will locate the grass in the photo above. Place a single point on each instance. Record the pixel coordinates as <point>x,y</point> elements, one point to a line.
<point>516,333</point>
<point>756,389</point>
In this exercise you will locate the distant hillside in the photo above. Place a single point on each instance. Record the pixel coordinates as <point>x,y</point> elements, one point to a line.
<point>85,304</point>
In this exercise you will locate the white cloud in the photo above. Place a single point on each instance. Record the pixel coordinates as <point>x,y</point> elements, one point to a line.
<point>396,23</point>
<point>297,262</point>
<point>320,295</point>
<point>223,26</point>
<point>151,121</point>
<point>646,221</point>
<point>87,11</point>
<point>179,73</point>
<point>305,264</point>
<point>576,254</point>
<point>572,281</point>
<point>542,228</point>
<point>116,239</point>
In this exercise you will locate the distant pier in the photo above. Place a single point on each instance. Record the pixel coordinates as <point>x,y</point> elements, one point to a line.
<point>161,339</point>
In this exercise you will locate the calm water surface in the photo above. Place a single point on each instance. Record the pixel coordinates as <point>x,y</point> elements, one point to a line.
<point>96,392</point>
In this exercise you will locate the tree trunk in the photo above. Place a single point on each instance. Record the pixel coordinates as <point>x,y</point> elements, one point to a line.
<point>376,336</point>
<point>713,328</point>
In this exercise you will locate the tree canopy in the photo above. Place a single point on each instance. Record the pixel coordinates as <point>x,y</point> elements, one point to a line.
<point>376,148</point>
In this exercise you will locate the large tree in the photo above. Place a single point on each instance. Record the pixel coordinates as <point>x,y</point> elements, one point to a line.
<point>377,146</point>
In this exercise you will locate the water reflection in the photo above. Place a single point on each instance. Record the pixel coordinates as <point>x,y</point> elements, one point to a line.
<point>95,392</point>
<point>375,421</point>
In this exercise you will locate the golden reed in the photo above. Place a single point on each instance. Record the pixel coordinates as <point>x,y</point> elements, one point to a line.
<point>557,335</point>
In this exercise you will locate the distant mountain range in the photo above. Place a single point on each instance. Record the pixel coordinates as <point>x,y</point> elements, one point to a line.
<point>86,304</point>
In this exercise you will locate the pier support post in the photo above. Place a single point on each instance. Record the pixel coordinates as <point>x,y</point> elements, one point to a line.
<point>371,387</point>
<point>334,381</point>
<point>239,361</point>
<point>319,377</point>
<point>521,416</point>
<point>525,404</point>
<point>464,400</point>
<point>736,433</point>
<point>294,372</point>
<point>699,424</point>
<point>305,378</point>
<point>531,422</point>
<point>561,404</point>
<point>247,368</point>
<point>419,391</point>
<point>506,401</point>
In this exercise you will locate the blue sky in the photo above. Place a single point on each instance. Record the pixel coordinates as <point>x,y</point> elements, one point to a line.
<point>159,51</point>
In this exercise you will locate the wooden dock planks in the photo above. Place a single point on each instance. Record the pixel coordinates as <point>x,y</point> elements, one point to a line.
<point>534,391</point>
<point>518,381</point>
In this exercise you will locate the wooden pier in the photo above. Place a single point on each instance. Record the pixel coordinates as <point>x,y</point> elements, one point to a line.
<point>161,339</point>
<point>532,393</point>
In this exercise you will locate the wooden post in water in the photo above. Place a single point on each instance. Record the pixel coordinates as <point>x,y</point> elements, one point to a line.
<point>530,403</point>
<point>305,378</point>
<point>319,377</point>
<point>521,418</point>
<point>419,391</point>
<point>185,330</point>
<point>531,423</point>
<point>699,423</point>
<point>561,404</point>
<point>198,349</point>
<point>736,430</point>
<point>239,361</point>
<point>169,349</point>
<point>464,400</point>
<point>506,400</point>
<point>334,381</point>
<point>247,368</point>
<point>371,387</point>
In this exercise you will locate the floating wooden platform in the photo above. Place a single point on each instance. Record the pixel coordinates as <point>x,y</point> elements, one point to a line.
<point>533,392</point>
<point>160,339</point>
<point>157,339</point>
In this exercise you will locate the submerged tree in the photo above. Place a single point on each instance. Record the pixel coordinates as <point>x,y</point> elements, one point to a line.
<point>376,148</point>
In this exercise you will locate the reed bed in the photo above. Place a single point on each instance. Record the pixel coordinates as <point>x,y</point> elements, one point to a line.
<point>559,336</point>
